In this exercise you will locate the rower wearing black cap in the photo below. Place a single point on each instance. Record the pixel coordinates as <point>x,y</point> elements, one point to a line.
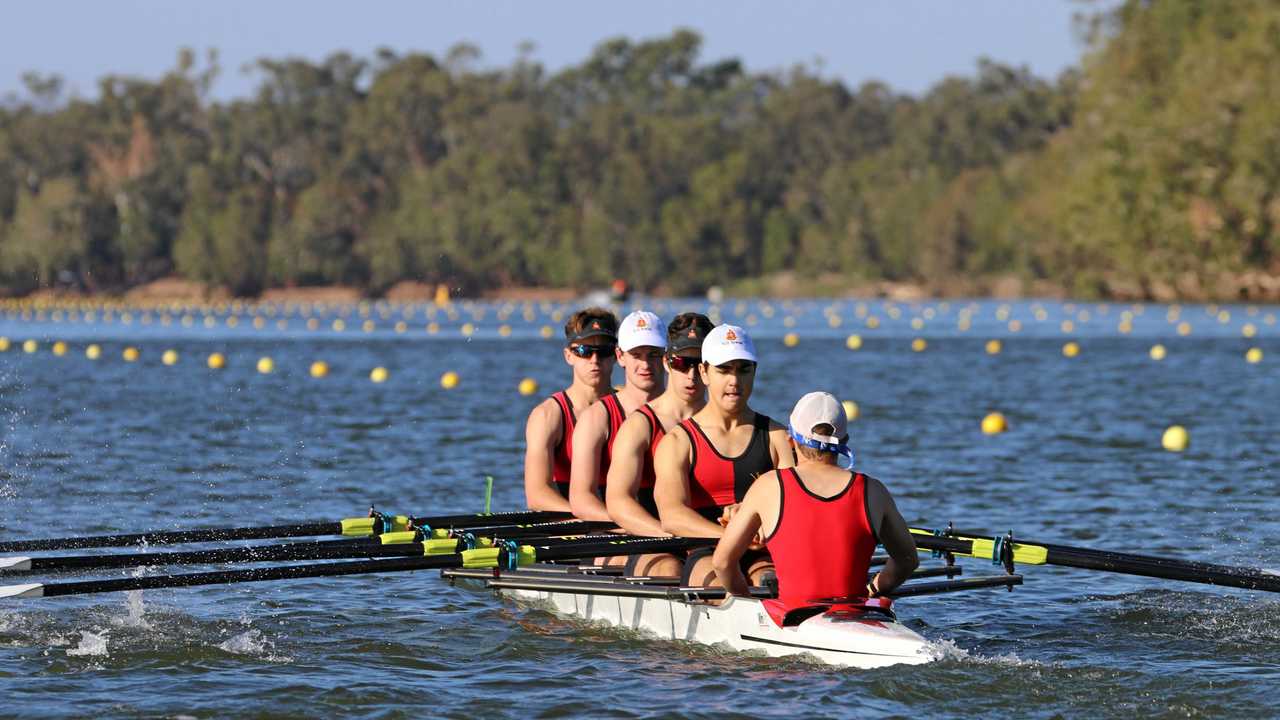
<point>591,337</point>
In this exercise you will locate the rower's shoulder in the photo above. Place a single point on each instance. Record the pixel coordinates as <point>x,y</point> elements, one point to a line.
<point>635,426</point>
<point>547,411</point>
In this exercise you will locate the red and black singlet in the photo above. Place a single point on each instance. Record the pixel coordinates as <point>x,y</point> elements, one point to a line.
<point>647,477</point>
<point>562,457</point>
<point>821,547</point>
<point>715,480</point>
<point>612,406</point>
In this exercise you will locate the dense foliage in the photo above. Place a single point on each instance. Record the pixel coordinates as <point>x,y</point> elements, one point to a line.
<point>1154,166</point>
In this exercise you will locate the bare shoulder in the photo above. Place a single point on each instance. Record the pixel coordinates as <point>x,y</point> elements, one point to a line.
<point>593,418</point>
<point>634,428</point>
<point>675,441</point>
<point>545,414</point>
<point>764,487</point>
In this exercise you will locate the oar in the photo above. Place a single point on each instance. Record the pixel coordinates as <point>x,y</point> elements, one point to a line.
<point>1030,552</point>
<point>350,527</point>
<point>508,555</point>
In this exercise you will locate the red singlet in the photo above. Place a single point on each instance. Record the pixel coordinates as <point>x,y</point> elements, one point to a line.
<point>715,480</point>
<point>562,457</point>
<point>617,414</point>
<point>821,547</point>
<point>656,433</point>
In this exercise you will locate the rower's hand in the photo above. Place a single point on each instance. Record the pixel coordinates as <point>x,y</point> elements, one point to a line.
<point>727,514</point>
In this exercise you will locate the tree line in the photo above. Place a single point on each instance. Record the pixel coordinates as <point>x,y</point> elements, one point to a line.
<point>1152,168</point>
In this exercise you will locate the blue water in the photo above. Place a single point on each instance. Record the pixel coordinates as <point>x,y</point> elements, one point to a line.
<point>107,445</point>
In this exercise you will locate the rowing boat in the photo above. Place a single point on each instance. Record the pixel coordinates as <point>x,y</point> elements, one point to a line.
<point>864,639</point>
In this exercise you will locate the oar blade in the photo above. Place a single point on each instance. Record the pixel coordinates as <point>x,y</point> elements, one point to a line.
<point>26,590</point>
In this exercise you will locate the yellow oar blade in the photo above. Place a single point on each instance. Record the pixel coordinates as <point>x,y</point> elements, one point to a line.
<point>984,548</point>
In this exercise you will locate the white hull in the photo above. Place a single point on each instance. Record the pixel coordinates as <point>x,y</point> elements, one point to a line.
<point>742,624</point>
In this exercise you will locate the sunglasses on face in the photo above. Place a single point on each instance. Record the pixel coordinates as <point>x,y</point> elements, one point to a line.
<point>586,351</point>
<point>683,363</point>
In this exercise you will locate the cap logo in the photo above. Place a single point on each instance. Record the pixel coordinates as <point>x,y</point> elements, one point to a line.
<point>693,334</point>
<point>641,324</point>
<point>595,325</point>
<point>730,335</point>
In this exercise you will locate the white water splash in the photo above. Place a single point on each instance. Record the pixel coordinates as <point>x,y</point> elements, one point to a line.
<point>254,643</point>
<point>91,644</point>
<point>948,650</point>
<point>135,612</point>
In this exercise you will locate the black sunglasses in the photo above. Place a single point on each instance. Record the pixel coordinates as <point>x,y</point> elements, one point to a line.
<point>586,351</point>
<point>683,363</point>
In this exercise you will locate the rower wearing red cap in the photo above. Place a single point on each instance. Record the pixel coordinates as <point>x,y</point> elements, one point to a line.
<point>642,339</point>
<point>819,521</point>
<point>706,464</point>
<point>590,338</point>
<point>629,491</point>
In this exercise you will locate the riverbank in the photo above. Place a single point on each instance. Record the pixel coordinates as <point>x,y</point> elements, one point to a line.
<point>1250,286</point>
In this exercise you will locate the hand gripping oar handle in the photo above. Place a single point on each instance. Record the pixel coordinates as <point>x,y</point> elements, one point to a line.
<point>1037,553</point>
<point>351,527</point>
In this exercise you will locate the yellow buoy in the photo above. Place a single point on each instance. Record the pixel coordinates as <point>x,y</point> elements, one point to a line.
<point>468,329</point>
<point>850,410</point>
<point>1175,439</point>
<point>313,324</point>
<point>319,369</point>
<point>994,347</point>
<point>1015,325</point>
<point>853,342</point>
<point>919,345</point>
<point>791,339</point>
<point>917,323</point>
<point>1071,349</point>
<point>401,327</point>
<point>378,374</point>
<point>449,380</point>
<point>873,322</point>
<point>1184,328</point>
<point>1253,355</point>
<point>832,320</point>
<point>1158,352</point>
<point>216,361</point>
<point>1249,330</point>
<point>266,365</point>
<point>994,424</point>
<point>368,326</point>
<point>30,346</point>
<point>339,325</point>
<point>60,348</point>
<point>93,352</point>
<point>170,357</point>
<point>546,331</point>
<point>4,344</point>
<point>1067,326</point>
<point>130,354</point>
<point>433,328</point>
<point>528,386</point>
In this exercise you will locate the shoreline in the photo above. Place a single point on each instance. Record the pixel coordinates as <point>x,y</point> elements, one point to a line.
<point>1243,288</point>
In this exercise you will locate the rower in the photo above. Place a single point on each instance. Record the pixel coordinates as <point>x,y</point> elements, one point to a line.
<point>629,489</point>
<point>590,338</point>
<point>819,521</point>
<point>642,339</point>
<point>705,465</point>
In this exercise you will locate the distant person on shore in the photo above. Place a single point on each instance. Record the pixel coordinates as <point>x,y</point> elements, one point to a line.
<point>629,490</point>
<point>820,522</point>
<point>705,465</point>
<point>591,338</point>
<point>642,341</point>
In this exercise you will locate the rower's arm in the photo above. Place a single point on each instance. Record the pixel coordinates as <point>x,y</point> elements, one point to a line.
<point>780,447</point>
<point>540,434</point>
<point>741,532</point>
<point>584,475</point>
<point>623,481</point>
<point>894,535</point>
<point>671,465</point>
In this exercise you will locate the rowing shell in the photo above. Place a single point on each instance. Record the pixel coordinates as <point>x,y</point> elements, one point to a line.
<point>858,641</point>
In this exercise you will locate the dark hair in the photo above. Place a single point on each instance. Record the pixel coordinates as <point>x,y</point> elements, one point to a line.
<point>681,323</point>
<point>579,321</point>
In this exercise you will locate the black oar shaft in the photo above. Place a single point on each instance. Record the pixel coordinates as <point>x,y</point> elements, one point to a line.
<point>308,529</point>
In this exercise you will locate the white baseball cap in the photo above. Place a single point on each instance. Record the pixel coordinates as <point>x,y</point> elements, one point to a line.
<point>642,328</point>
<point>726,343</point>
<point>820,408</point>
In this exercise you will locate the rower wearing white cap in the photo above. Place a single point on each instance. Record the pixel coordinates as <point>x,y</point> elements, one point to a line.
<point>629,491</point>
<point>705,466</point>
<point>819,521</point>
<point>642,339</point>
<point>591,336</point>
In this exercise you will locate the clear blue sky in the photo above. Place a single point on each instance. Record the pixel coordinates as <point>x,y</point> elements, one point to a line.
<point>910,44</point>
